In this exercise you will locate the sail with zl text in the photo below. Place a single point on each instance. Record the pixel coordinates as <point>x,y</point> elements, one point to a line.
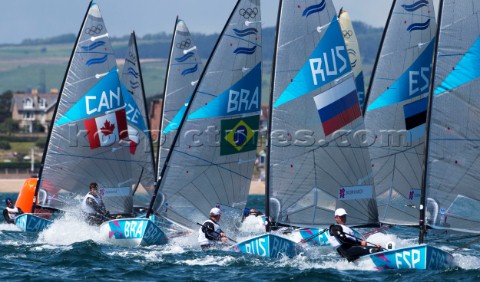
<point>88,139</point>
<point>88,125</point>
<point>317,162</point>
<point>214,150</point>
<point>396,109</point>
<point>183,71</point>
<point>353,53</point>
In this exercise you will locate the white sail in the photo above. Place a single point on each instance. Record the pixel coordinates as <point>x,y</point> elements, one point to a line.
<point>396,109</point>
<point>317,163</point>
<point>183,71</point>
<point>214,152</point>
<point>353,54</point>
<point>453,166</point>
<point>88,124</point>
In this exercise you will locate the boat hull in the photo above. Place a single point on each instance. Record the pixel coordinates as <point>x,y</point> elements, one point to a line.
<point>28,222</point>
<point>132,232</point>
<point>416,257</point>
<point>268,245</point>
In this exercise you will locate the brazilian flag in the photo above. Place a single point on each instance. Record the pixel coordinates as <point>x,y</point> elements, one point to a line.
<point>239,135</point>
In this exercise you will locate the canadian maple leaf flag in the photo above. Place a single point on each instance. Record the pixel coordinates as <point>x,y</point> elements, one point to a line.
<point>106,130</point>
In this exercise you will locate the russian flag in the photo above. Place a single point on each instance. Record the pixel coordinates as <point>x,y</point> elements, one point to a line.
<point>107,129</point>
<point>415,119</point>
<point>338,106</point>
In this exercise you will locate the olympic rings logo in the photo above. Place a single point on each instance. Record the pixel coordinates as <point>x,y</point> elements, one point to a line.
<point>347,34</point>
<point>132,56</point>
<point>94,29</point>
<point>184,44</point>
<point>248,13</point>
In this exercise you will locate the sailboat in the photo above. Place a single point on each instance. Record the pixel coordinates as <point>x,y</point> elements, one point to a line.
<point>353,54</point>
<point>214,149</point>
<point>314,106</point>
<point>448,200</point>
<point>84,143</point>
<point>183,71</point>
<point>396,110</point>
<point>138,230</point>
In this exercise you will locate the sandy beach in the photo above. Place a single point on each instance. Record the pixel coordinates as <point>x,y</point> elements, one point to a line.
<point>14,186</point>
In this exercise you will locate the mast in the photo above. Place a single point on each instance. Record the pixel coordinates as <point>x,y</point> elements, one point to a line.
<point>268,227</point>
<point>367,94</point>
<point>167,160</point>
<point>159,134</point>
<point>144,103</point>
<point>50,129</point>
<point>423,196</point>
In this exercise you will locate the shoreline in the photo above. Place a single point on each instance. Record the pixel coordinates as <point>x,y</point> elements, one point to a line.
<point>14,185</point>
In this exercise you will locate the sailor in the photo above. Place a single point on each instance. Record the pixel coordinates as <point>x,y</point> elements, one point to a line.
<point>93,208</point>
<point>343,240</point>
<point>210,233</point>
<point>10,213</point>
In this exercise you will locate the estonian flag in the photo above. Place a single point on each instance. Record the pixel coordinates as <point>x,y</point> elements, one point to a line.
<point>415,119</point>
<point>107,129</point>
<point>338,106</point>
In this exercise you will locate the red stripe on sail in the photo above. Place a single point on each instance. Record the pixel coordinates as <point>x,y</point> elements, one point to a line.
<point>92,133</point>
<point>342,119</point>
<point>122,124</point>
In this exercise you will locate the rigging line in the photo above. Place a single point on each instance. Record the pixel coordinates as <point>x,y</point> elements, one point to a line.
<point>407,180</point>
<point>465,245</point>
<point>387,148</point>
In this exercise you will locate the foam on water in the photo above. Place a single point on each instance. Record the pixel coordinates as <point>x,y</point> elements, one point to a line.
<point>69,229</point>
<point>8,227</point>
<point>209,260</point>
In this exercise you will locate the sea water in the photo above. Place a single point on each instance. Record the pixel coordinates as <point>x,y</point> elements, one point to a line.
<point>70,250</point>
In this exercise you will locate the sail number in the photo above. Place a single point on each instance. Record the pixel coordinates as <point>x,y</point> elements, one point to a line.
<point>261,247</point>
<point>332,64</point>
<point>418,81</point>
<point>133,230</point>
<point>407,258</point>
<point>243,101</point>
<point>106,102</point>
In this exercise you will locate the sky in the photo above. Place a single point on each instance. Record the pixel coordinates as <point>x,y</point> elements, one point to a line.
<point>23,19</point>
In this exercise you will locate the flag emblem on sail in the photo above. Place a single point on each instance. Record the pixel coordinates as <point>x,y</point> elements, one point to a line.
<point>106,130</point>
<point>238,135</point>
<point>415,119</point>
<point>338,106</point>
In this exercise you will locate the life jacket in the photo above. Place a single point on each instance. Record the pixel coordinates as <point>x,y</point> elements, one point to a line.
<point>341,235</point>
<point>12,213</point>
<point>87,208</point>
<point>202,237</point>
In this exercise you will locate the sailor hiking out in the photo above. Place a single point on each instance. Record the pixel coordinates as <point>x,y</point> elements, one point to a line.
<point>210,234</point>
<point>93,208</point>
<point>10,213</point>
<point>343,240</point>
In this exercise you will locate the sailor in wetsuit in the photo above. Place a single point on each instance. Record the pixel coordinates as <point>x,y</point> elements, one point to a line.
<point>93,208</point>
<point>342,239</point>
<point>10,213</point>
<point>210,233</point>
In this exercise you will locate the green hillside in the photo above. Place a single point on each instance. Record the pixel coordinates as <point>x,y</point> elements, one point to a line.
<point>41,63</point>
